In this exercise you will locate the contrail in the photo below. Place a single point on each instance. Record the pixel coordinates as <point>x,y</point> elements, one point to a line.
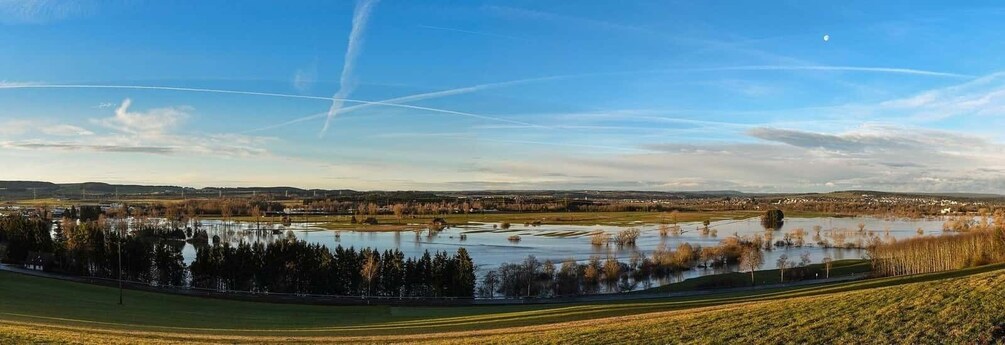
<point>252,93</point>
<point>165,88</point>
<point>392,102</point>
<point>480,33</point>
<point>840,68</point>
<point>475,88</point>
<point>346,84</point>
<point>416,97</point>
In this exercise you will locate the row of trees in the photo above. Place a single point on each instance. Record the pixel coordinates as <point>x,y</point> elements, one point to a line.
<point>294,266</point>
<point>21,235</point>
<point>153,255</point>
<point>535,278</point>
<point>92,249</point>
<point>938,253</point>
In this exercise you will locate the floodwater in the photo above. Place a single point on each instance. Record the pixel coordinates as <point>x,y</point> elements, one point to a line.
<point>490,246</point>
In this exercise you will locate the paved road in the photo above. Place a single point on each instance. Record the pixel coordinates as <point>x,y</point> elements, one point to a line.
<point>356,300</point>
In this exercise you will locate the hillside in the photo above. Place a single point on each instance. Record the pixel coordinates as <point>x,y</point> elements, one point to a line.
<point>966,306</point>
<point>26,190</point>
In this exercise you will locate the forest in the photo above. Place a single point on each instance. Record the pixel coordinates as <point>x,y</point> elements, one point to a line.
<point>152,255</point>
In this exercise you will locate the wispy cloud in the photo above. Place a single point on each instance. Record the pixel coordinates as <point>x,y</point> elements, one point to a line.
<point>15,127</point>
<point>18,127</point>
<point>152,122</point>
<point>472,32</point>
<point>743,46</point>
<point>304,78</point>
<point>149,131</point>
<point>41,11</point>
<point>565,144</point>
<point>572,20</point>
<point>346,82</point>
<point>981,96</point>
<point>65,130</point>
<point>891,70</point>
<point>34,85</point>
<point>87,147</point>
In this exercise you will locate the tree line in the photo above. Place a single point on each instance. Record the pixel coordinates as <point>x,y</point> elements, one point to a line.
<point>938,253</point>
<point>534,278</point>
<point>969,241</point>
<point>294,266</point>
<point>153,254</point>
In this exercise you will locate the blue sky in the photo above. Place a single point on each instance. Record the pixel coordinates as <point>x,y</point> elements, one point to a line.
<point>903,96</point>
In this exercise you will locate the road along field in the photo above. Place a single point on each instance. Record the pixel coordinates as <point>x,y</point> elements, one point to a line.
<point>965,306</point>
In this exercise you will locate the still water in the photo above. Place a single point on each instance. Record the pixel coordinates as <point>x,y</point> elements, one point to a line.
<point>490,246</point>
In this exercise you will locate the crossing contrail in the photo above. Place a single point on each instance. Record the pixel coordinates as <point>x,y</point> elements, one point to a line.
<point>416,97</point>
<point>394,102</point>
<point>253,93</point>
<point>346,83</point>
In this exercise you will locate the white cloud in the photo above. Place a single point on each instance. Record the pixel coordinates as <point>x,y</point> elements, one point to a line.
<point>785,160</point>
<point>19,127</point>
<point>304,78</point>
<point>153,131</point>
<point>15,127</point>
<point>982,96</point>
<point>65,130</point>
<point>153,122</point>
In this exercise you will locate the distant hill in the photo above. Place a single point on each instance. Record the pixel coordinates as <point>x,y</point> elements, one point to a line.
<point>21,190</point>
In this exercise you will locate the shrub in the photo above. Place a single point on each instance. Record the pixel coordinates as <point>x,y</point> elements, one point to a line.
<point>627,237</point>
<point>600,239</point>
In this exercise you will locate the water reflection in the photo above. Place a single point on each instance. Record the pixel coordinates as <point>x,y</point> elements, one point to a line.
<point>489,246</point>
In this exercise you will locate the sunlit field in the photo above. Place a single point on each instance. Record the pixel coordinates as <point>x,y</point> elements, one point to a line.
<point>958,306</point>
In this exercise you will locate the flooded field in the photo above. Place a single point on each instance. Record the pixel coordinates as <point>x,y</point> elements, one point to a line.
<point>490,245</point>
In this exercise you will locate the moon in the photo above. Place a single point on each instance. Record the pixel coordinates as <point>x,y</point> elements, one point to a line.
<point>827,38</point>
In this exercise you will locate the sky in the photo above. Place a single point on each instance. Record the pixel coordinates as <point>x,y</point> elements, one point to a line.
<point>766,96</point>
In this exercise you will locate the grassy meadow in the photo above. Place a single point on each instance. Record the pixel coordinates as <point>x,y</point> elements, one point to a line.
<point>961,306</point>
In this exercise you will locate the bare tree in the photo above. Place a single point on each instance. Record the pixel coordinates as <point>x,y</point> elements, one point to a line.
<point>257,213</point>
<point>827,266</point>
<point>398,210</point>
<point>804,259</point>
<point>751,260</point>
<point>489,283</point>
<point>783,263</point>
<point>369,270</point>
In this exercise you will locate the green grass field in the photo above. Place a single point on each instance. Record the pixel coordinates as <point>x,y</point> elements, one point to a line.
<point>839,268</point>
<point>958,306</point>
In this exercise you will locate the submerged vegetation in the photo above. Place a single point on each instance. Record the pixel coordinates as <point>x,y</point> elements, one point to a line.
<point>532,278</point>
